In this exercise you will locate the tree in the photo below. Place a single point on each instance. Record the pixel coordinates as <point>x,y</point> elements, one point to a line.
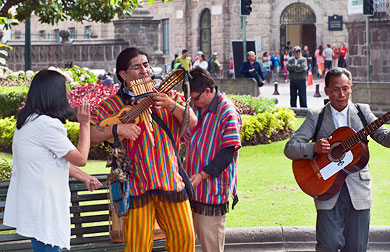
<point>53,11</point>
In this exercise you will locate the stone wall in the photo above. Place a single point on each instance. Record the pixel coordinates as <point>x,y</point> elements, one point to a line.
<point>94,54</point>
<point>379,50</point>
<point>238,86</point>
<point>374,93</point>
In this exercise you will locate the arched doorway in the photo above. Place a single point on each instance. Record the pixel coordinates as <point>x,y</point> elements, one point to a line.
<point>205,32</point>
<point>297,26</point>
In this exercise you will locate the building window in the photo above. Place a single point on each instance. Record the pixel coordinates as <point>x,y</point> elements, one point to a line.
<point>72,32</point>
<point>87,31</point>
<point>205,32</point>
<point>57,34</point>
<point>42,34</point>
<point>165,36</point>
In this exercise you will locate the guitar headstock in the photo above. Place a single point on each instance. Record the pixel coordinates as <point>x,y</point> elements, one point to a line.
<point>171,81</point>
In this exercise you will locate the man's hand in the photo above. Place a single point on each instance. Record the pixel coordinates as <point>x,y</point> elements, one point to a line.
<point>322,146</point>
<point>196,179</point>
<point>251,70</point>
<point>129,131</point>
<point>298,65</point>
<point>161,100</point>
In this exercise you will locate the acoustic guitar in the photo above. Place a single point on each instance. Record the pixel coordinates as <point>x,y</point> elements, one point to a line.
<point>324,176</point>
<point>131,114</point>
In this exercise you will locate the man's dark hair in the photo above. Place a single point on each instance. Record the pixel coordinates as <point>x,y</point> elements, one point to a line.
<point>184,51</point>
<point>328,45</point>
<point>337,71</point>
<point>46,96</point>
<point>123,60</point>
<point>201,79</point>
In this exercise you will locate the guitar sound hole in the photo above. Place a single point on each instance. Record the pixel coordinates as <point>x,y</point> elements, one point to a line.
<point>336,153</point>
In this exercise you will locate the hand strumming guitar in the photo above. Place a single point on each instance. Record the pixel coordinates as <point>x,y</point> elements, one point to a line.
<point>322,146</point>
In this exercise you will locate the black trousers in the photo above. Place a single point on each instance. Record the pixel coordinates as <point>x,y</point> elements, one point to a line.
<point>300,88</point>
<point>342,228</point>
<point>328,64</point>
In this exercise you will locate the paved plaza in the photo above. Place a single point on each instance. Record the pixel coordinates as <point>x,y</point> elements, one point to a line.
<point>284,94</point>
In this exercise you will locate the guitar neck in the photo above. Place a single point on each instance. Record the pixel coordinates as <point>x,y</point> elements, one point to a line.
<point>367,130</point>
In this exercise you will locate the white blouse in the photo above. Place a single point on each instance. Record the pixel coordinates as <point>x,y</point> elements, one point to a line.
<point>38,197</point>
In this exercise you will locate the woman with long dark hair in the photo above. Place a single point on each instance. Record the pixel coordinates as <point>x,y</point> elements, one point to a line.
<point>320,59</point>
<point>43,158</point>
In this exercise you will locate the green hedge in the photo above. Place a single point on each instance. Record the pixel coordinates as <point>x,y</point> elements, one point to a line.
<point>263,128</point>
<point>8,125</point>
<point>11,98</point>
<point>267,127</point>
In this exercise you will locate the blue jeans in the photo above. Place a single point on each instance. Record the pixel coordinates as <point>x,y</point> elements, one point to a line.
<point>41,247</point>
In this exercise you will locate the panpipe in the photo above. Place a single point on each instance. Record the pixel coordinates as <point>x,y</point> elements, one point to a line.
<point>140,87</point>
<point>131,114</point>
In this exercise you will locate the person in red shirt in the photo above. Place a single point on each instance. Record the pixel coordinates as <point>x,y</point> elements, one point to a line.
<point>343,56</point>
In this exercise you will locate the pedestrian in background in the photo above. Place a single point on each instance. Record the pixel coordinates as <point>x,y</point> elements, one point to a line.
<point>343,56</point>
<point>297,72</point>
<point>201,62</point>
<point>320,59</point>
<point>306,54</point>
<point>216,67</point>
<point>173,61</point>
<point>184,60</point>
<point>335,59</point>
<point>286,56</point>
<point>328,57</point>
<point>267,67</point>
<point>275,66</point>
<point>252,69</point>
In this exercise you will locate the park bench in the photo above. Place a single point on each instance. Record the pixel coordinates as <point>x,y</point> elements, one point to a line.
<point>89,218</point>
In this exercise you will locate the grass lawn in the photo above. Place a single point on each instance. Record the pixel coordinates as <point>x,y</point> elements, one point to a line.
<point>269,195</point>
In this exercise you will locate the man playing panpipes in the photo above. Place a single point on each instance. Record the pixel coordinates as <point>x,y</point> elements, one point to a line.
<point>156,188</point>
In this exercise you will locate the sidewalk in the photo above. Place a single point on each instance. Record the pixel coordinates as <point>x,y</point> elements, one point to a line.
<point>283,239</point>
<point>284,91</point>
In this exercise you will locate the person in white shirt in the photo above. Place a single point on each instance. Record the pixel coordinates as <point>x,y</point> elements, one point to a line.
<point>38,197</point>
<point>201,62</point>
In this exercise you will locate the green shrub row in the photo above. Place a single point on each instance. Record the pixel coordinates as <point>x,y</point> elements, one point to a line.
<point>11,99</point>
<point>259,129</point>
<point>263,128</point>
<point>8,125</point>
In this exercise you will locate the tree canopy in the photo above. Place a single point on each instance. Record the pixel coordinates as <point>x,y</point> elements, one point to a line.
<point>53,11</point>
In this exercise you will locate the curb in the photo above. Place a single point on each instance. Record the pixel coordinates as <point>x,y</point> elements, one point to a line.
<point>294,238</point>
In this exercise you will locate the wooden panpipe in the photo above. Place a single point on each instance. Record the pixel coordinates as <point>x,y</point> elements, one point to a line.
<point>140,87</point>
<point>131,114</point>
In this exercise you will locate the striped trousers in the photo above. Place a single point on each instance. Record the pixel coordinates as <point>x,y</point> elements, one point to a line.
<point>175,219</point>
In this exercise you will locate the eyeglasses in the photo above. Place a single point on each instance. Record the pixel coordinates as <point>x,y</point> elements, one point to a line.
<point>198,96</point>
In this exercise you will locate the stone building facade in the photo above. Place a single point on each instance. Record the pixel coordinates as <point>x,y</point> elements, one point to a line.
<point>213,25</point>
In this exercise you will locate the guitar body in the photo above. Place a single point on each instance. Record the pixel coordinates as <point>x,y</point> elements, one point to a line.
<point>307,174</point>
<point>117,119</point>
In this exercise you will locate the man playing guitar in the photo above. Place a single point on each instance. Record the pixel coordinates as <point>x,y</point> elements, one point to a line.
<point>343,219</point>
<point>156,187</point>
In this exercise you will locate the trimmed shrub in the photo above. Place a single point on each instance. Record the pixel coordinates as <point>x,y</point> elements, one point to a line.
<point>5,170</point>
<point>263,128</point>
<point>249,105</point>
<point>8,126</point>
<point>11,99</point>
<point>267,127</point>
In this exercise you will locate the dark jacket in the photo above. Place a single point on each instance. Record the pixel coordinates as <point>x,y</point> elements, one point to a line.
<point>244,70</point>
<point>296,73</point>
